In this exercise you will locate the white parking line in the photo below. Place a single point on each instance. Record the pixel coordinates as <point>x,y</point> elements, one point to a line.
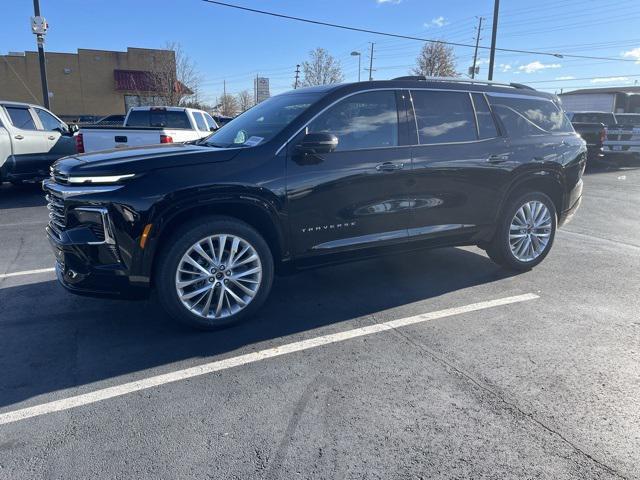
<point>130,387</point>
<point>27,272</point>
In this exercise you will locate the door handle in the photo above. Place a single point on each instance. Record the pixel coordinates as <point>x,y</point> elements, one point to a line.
<point>18,137</point>
<point>51,137</point>
<point>498,158</point>
<point>389,167</point>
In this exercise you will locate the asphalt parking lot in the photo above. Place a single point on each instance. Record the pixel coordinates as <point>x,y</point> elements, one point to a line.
<point>323,383</point>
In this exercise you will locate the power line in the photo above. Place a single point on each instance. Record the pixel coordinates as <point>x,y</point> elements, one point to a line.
<point>408,37</point>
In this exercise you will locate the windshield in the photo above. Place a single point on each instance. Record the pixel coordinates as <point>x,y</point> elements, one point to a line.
<point>262,122</point>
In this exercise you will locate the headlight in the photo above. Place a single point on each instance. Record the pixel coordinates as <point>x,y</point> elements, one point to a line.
<point>100,179</point>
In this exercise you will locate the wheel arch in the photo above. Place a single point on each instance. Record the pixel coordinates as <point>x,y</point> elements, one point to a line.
<point>253,211</point>
<point>549,183</point>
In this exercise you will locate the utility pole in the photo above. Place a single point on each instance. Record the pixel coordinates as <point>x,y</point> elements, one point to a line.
<point>295,85</point>
<point>224,88</point>
<point>39,27</point>
<point>494,34</point>
<point>371,63</point>
<point>475,53</point>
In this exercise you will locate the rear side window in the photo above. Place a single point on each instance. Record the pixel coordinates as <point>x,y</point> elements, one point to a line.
<point>158,118</point>
<point>543,115</point>
<point>365,120</point>
<point>202,125</point>
<point>443,117</point>
<point>21,118</point>
<point>486,125</point>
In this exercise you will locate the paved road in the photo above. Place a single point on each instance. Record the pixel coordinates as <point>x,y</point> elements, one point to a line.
<point>544,388</point>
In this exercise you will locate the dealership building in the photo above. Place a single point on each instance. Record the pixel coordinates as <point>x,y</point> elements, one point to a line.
<point>89,82</point>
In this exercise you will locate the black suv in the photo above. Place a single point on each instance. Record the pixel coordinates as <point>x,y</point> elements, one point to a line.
<point>316,176</point>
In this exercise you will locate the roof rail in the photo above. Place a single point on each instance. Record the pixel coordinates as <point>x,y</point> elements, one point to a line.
<point>422,78</point>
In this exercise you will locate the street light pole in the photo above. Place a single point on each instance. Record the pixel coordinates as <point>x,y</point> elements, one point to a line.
<point>359,55</point>
<point>371,63</point>
<point>39,27</point>
<point>494,34</point>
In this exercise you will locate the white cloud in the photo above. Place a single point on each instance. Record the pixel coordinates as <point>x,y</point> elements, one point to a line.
<point>566,77</point>
<point>611,80</point>
<point>505,67</point>
<point>437,22</point>
<point>634,53</point>
<point>395,2</point>
<point>537,66</point>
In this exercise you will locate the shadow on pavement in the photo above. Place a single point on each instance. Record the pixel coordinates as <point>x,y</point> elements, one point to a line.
<point>27,195</point>
<point>52,340</point>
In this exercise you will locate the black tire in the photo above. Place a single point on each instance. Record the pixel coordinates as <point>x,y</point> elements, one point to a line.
<point>499,249</point>
<point>188,235</point>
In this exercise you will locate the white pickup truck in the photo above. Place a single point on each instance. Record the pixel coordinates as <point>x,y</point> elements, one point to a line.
<point>31,139</point>
<point>148,126</point>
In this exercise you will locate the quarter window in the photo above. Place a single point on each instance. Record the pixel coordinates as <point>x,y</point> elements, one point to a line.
<point>443,117</point>
<point>543,115</point>
<point>486,125</point>
<point>21,118</point>
<point>365,120</point>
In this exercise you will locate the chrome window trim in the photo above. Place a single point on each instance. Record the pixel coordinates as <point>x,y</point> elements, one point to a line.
<point>475,115</point>
<point>401,89</point>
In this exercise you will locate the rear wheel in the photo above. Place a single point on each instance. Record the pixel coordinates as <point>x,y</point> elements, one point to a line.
<point>525,233</point>
<point>214,273</point>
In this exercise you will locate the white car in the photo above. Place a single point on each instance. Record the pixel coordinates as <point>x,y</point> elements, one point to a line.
<point>31,139</point>
<point>148,126</point>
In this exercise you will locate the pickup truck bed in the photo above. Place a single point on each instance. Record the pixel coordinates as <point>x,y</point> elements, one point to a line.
<point>97,137</point>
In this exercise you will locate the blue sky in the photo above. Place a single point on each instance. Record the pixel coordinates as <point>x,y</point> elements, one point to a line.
<point>234,45</point>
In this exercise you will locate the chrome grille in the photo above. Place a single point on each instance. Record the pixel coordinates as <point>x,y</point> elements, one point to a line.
<point>57,218</point>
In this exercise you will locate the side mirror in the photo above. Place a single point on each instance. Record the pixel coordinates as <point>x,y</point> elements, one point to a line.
<point>213,129</point>
<point>318,143</point>
<point>73,128</point>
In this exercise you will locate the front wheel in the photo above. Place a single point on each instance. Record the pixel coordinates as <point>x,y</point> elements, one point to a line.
<point>525,232</point>
<point>214,273</point>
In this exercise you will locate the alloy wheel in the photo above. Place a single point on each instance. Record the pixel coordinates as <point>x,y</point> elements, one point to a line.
<point>218,276</point>
<point>530,231</point>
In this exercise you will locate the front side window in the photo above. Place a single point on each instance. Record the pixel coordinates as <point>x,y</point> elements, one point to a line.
<point>49,122</point>
<point>443,117</point>
<point>211,123</point>
<point>202,125</point>
<point>542,114</point>
<point>365,120</point>
<point>262,122</point>
<point>21,118</point>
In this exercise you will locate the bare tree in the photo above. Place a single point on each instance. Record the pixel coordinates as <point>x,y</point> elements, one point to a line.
<point>175,77</point>
<point>436,60</point>
<point>228,105</point>
<point>321,69</point>
<point>245,100</point>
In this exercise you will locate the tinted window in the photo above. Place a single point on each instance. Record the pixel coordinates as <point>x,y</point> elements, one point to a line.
<point>49,122</point>
<point>516,125</point>
<point>202,125</point>
<point>366,120</point>
<point>21,118</point>
<point>210,121</point>
<point>593,117</point>
<point>486,125</point>
<point>628,118</point>
<point>443,117</point>
<point>543,114</point>
<point>158,118</point>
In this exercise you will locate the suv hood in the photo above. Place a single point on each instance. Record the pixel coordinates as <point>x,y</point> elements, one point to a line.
<point>141,159</point>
